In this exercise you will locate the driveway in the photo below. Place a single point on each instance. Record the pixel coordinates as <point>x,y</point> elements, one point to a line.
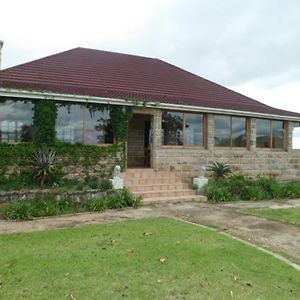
<point>277,237</point>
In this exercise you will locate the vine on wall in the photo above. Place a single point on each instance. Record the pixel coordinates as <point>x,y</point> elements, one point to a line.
<point>120,118</point>
<point>44,119</point>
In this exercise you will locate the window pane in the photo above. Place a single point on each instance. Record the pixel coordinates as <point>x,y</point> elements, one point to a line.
<point>239,132</point>
<point>194,130</point>
<point>263,133</point>
<point>16,121</point>
<point>222,131</point>
<point>172,123</point>
<point>69,124</point>
<point>277,134</point>
<point>98,127</point>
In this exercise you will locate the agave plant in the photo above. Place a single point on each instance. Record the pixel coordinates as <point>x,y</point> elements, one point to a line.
<point>219,170</point>
<point>44,164</point>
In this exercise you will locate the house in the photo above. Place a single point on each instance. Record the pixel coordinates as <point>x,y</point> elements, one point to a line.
<point>180,120</point>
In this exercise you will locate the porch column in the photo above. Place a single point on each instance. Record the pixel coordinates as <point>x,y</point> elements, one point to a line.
<point>210,132</point>
<point>289,128</point>
<point>252,133</point>
<point>156,137</point>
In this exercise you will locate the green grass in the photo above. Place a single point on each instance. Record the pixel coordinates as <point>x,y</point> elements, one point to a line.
<point>118,261</point>
<point>290,215</point>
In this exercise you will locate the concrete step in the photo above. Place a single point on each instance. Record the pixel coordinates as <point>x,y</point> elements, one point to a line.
<point>180,199</point>
<point>147,174</point>
<point>157,187</point>
<point>165,193</point>
<point>155,180</point>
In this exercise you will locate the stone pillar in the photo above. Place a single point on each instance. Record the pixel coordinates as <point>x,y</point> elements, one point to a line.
<point>252,133</point>
<point>156,137</point>
<point>289,128</point>
<point>210,131</point>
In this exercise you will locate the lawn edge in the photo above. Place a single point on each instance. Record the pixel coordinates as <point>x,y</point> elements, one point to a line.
<point>278,256</point>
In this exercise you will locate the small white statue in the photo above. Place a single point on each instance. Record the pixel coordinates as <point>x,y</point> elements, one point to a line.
<point>117,171</point>
<point>117,181</point>
<point>201,171</point>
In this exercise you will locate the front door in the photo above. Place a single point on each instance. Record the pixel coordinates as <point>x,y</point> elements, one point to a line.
<point>139,146</point>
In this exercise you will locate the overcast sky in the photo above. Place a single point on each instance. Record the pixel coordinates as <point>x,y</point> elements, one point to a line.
<point>252,46</point>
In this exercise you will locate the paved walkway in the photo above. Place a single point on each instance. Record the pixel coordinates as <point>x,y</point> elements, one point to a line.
<point>278,237</point>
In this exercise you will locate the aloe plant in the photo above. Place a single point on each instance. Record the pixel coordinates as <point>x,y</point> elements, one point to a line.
<point>219,170</point>
<point>44,164</point>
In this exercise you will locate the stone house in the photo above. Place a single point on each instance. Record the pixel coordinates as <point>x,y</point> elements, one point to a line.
<point>180,120</point>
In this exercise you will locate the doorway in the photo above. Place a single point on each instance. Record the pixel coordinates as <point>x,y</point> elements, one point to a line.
<point>139,142</point>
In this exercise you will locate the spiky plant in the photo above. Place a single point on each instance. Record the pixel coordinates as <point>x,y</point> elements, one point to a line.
<point>44,164</point>
<point>219,170</point>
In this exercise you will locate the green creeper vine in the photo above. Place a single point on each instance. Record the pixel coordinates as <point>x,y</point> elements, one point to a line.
<point>44,119</point>
<point>120,117</point>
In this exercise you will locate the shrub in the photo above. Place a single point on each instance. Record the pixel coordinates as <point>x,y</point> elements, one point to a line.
<point>96,204</point>
<point>219,170</point>
<point>19,210</point>
<point>105,184</point>
<point>239,187</point>
<point>91,182</point>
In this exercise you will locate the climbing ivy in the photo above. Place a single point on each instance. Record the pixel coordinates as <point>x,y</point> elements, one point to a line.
<point>44,119</point>
<point>120,117</point>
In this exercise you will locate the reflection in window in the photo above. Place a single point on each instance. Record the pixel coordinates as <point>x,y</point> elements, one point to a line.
<point>263,133</point>
<point>277,134</point>
<point>222,131</point>
<point>269,134</point>
<point>230,131</point>
<point>194,130</point>
<point>69,124</point>
<point>98,127</point>
<point>172,125</point>
<point>239,132</point>
<point>16,121</point>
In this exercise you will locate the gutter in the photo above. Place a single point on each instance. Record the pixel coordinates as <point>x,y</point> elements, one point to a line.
<point>15,93</point>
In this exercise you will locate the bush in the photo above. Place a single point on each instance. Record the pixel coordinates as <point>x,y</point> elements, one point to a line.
<point>96,204</point>
<point>19,210</point>
<point>239,187</point>
<point>91,182</point>
<point>105,184</point>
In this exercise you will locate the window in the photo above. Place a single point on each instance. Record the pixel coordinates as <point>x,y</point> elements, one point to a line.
<point>296,135</point>
<point>182,129</point>
<point>77,124</point>
<point>98,127</point>
<point>230,131</point>
<point>16,121</point>
<point>269,134</point>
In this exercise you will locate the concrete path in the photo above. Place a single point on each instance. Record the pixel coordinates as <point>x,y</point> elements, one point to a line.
<point>277,237</point>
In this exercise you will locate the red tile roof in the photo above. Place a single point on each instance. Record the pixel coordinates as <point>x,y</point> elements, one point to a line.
<point>106,74</point>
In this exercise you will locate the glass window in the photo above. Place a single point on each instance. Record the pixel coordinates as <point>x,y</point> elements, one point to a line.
<point>98,127</point>
<point>69,124</point>
<point>172,125</point>
<point>222,131</point>
<point>277,134</point>
<point>269,134</point>
<point>16,121</point>
<point>296,135</point>
<point>263,133</point>
<point>194,130</point>
<point>239,132</point>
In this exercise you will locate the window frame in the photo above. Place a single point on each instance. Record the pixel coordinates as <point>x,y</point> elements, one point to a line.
<point>184,146</point>
<point>284,138</point>
<point>247,127</point>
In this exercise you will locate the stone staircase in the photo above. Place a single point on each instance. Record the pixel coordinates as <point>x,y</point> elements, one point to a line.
<point>158,186</point>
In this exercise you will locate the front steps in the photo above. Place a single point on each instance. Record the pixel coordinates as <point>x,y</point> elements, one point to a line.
<point>158,186</point>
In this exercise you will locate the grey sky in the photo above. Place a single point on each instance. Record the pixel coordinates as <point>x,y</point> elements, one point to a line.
<point>250,46</point>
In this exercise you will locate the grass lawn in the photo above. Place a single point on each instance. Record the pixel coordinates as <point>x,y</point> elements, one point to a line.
<point>290,215</point>
<point>173,260</point>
